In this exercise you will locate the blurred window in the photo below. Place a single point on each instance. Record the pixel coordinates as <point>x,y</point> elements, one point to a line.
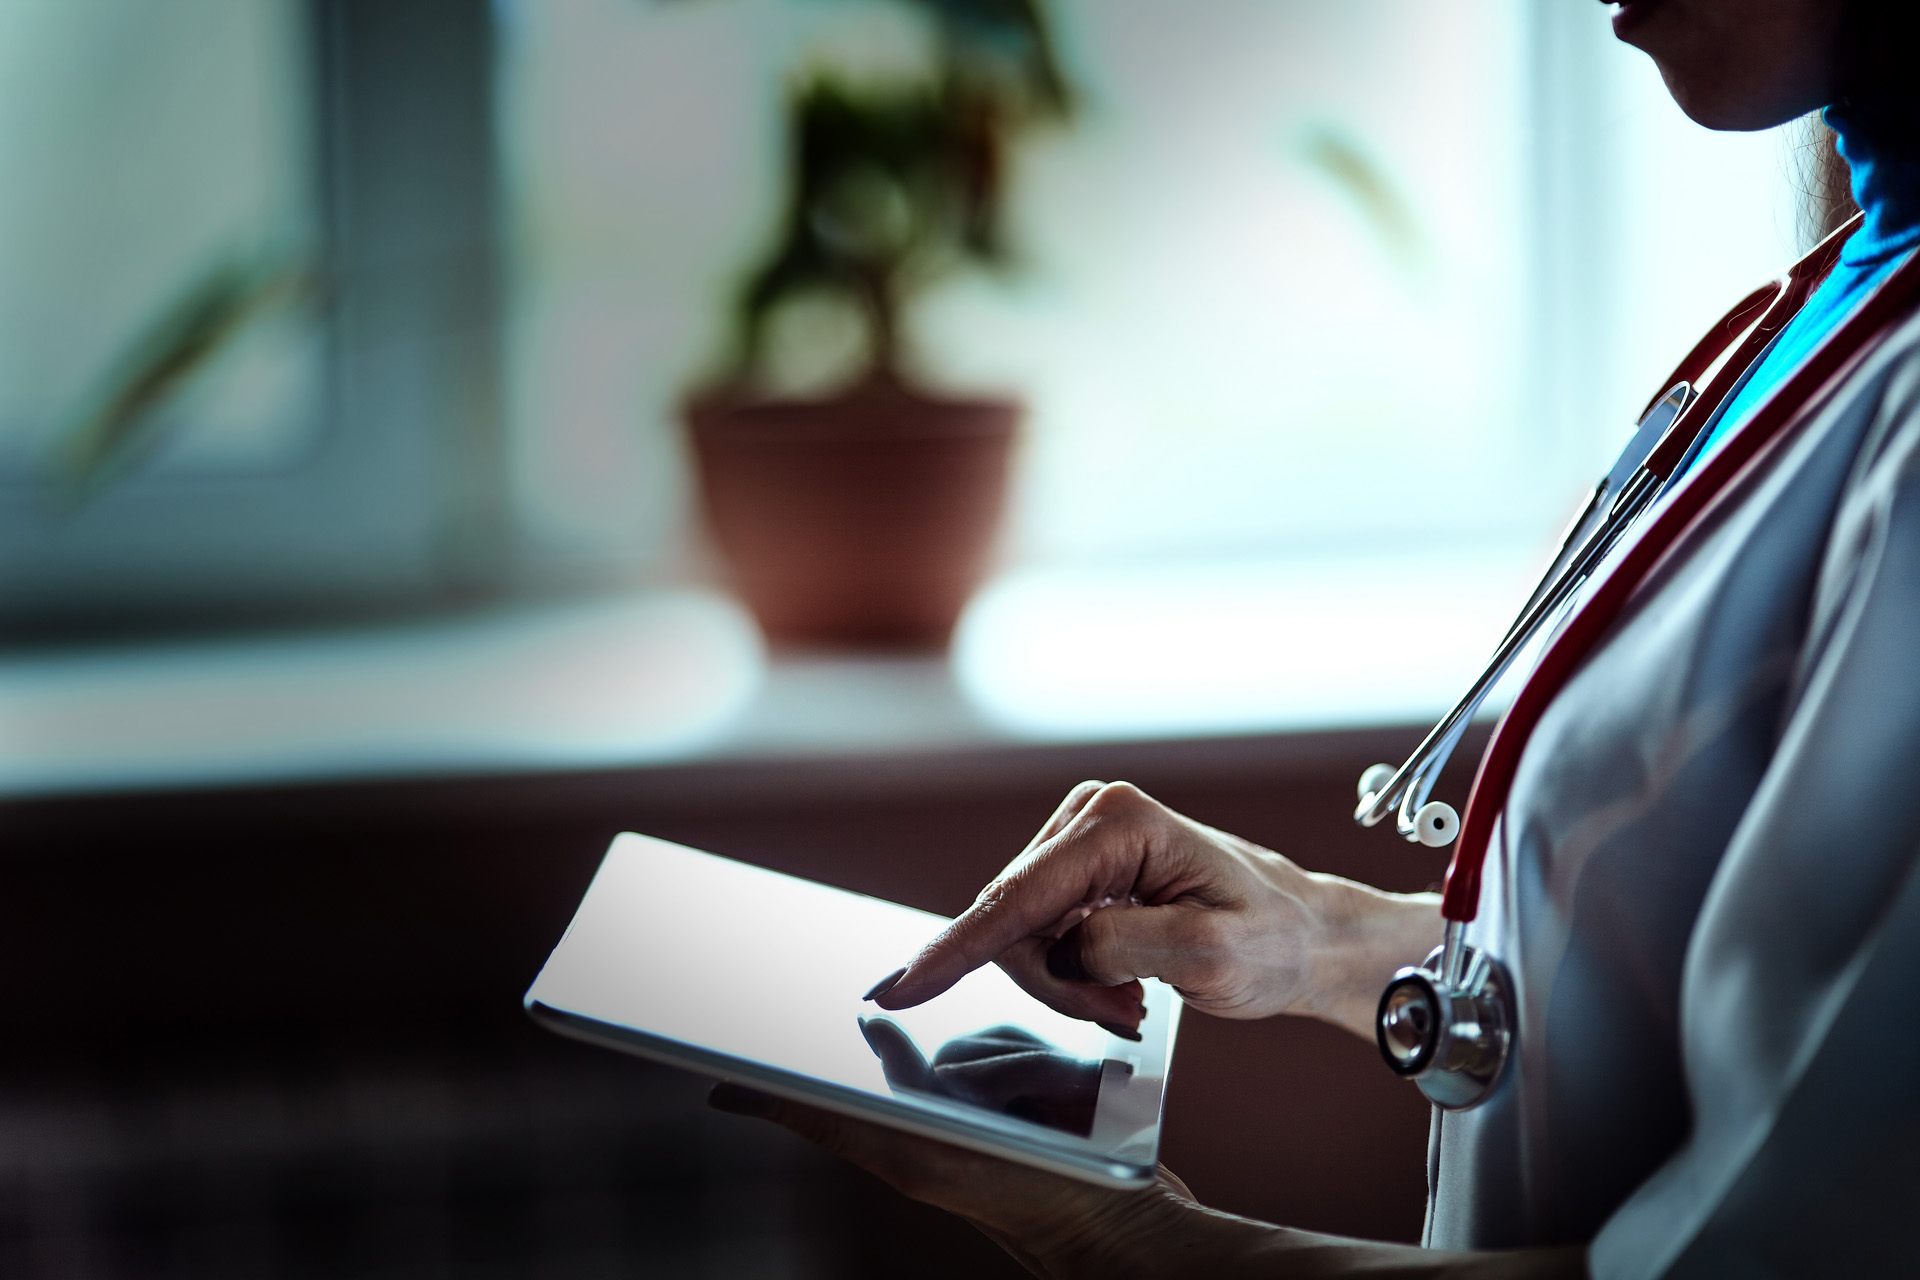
<point>144,148</point>
<point>1299,277</point>
<point>246,310</point>
<point>1325,313</point>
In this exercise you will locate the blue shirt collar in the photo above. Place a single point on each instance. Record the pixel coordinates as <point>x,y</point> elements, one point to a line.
<point>1886,189</point>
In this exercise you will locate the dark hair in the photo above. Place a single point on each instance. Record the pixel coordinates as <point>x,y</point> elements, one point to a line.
<point>1826,184</point>
<point>1877,88</point>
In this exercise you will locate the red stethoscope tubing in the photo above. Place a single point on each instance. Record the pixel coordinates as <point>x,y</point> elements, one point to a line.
<point>1818,376</point>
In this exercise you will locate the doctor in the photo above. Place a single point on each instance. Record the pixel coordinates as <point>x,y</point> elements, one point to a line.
<point>1705,881</point>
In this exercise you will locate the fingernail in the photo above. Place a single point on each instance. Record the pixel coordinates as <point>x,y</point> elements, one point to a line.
<point>1115,1029</point>
<point>885,984</point>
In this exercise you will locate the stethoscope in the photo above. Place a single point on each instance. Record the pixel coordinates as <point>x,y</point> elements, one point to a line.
<point>1448,1024</point>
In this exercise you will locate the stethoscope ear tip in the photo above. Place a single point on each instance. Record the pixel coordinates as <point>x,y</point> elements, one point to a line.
<point>1436,824</point>
<point>1374,779</point>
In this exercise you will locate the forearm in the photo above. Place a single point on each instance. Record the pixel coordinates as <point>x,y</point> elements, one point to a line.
<point>1365,934</point>
<point>1174,1239</point>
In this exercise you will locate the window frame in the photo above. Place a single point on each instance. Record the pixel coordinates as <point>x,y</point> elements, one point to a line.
<point>401,502</point>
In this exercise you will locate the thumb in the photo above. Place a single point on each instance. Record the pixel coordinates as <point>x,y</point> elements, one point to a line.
<point>1182,944</point>
<point>900,1059</point>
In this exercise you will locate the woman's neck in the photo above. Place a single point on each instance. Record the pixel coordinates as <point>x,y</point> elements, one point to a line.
<point>1886,187</point>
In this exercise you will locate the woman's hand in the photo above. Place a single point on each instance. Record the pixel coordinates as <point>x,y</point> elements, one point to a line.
<point>1054,1226</point>
<point>1064,1229</point>
<point>1117,887</point>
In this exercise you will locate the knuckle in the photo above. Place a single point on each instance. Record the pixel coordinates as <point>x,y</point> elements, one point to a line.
<point>806,1122</point>
<point>1117,799</point>
<point>999,898</point>
<point>1036,875</point>
<point>829,1132</point>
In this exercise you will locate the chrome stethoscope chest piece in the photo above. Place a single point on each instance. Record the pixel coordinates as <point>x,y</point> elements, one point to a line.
<point>1448,1033</point>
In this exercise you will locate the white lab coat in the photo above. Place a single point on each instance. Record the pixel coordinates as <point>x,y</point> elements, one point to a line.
<point>1705,886</point>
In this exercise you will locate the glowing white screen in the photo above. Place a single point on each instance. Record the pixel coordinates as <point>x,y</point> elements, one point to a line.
<point>760,966</point>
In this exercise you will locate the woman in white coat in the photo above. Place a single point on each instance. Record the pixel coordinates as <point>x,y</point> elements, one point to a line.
<point>1703,880</point>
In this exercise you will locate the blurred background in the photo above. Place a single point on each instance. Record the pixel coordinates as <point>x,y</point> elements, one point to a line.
<point>436,435</point>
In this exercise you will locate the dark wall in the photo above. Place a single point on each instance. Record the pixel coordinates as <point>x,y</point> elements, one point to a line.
<point>318,939</point>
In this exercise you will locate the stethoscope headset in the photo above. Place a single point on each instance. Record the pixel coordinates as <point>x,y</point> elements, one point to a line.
<point>1448,1025</point>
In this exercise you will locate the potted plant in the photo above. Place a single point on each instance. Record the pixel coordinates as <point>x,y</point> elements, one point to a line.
<point>865,516</point>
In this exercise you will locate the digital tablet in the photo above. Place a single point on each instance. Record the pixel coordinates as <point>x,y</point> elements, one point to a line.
<point>753,976</point>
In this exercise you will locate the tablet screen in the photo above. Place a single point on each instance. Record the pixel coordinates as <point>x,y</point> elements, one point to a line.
<point>711,962</point>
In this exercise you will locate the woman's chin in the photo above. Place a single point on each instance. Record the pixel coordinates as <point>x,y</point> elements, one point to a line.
<point>1732,64</point>
<point>1727,109</point>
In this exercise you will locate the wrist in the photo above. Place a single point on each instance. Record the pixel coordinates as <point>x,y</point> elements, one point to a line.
<point>1365,935</point>
<point>1155,1235</point>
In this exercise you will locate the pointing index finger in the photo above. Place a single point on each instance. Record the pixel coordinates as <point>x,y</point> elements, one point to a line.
<point>1042,888</point>
<point>982,932</point>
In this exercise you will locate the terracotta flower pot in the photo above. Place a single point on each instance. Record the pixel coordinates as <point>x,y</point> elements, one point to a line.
<point>862,520</point>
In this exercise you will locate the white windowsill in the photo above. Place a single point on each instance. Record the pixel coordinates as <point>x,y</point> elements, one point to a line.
<point>1055,656</point>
